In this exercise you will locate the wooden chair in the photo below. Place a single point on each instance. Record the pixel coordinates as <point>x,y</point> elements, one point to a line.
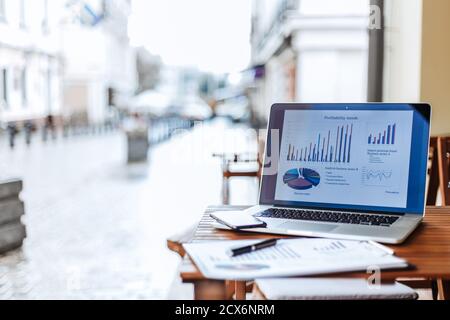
<point>438,174</point>
<point>443,153</point>
<point>230,169</point>
<point>439,171</point>
<point>231,164</point>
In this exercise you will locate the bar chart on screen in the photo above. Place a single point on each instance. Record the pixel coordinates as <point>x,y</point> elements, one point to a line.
<point>383,136</point>
<point>334,146</point>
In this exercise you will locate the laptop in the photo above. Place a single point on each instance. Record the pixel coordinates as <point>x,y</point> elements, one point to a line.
<point>345,171</point>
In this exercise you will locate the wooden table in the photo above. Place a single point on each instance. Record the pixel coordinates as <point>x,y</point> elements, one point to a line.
<point>428,248</point>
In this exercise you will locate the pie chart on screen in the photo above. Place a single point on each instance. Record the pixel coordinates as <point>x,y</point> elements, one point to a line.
<point>301,179</point>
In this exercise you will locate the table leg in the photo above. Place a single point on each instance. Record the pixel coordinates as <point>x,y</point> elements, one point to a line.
<point>241,290</point>
<point>444,289</point>
<point>435,289</point>
<point>225,191</point>
<point>210,290</point>
<point>230,289</point>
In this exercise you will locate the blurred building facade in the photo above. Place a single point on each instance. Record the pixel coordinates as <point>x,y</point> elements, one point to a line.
<point>148,68</point>
<point>70,59</point>
<point>30,61</point>
<point>312,51</point>
<point>99,63</point>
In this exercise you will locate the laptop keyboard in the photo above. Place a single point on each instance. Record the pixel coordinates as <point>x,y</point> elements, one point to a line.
<point>330,216</point>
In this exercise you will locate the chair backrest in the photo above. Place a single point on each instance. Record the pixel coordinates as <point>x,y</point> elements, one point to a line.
<point>444,168</point>
<point>433,173</point>
<point>439,171</point>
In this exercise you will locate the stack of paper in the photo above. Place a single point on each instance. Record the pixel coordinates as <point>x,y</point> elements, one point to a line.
<point>301,257</point>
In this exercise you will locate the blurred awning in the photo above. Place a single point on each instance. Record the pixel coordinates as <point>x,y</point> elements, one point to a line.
<point>195,108</point>
<point>151,102</point>
<point>159,104</point>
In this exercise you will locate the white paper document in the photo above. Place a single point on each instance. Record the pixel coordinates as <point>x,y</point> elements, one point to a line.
<point>289,258</point>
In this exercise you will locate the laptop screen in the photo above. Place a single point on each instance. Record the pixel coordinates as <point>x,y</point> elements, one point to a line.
<point>369,157</point>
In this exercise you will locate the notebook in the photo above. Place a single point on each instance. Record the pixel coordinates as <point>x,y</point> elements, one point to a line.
<point>331,289</point>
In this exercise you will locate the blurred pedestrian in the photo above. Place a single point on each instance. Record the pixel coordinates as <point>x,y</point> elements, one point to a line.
<point>66,128</point>
<point>29,128</point>
<point>49,126</point>
<point>12,132</point>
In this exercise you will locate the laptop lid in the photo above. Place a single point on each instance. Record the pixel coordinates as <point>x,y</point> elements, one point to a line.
<point>355,157</point>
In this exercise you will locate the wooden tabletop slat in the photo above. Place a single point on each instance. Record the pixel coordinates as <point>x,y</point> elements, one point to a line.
<point>428,248</point>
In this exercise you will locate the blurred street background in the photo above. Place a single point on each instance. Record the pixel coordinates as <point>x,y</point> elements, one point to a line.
<point>97,227</point>
<point>123,119</point>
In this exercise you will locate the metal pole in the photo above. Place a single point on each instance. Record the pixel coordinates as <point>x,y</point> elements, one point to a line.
<point>376,52</point>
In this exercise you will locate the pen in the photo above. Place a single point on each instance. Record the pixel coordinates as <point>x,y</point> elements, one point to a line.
<point>255,247</point>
